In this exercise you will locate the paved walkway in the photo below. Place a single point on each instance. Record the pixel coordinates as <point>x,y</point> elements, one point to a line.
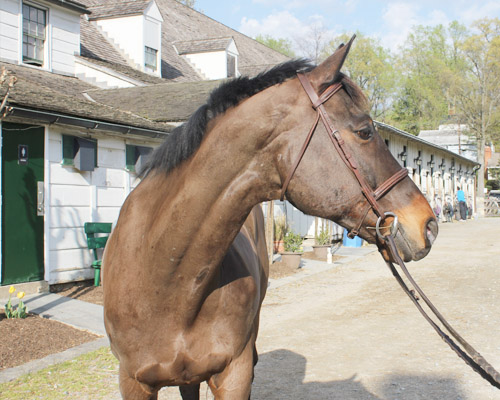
<point>89,317</point>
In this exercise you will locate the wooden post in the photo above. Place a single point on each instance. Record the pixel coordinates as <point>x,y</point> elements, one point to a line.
<point>270,230</point>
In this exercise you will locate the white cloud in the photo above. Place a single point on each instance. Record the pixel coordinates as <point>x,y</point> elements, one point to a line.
<point>350,6</point>
<point>278,25</point>
<point>398,20</point>
<point>488,9</point>
<point>285,25</point>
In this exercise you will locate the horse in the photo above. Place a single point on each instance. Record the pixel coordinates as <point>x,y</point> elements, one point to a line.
<point>185,269</point>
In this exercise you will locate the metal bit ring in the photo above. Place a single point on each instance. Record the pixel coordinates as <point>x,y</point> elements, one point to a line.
<point>393,227</point>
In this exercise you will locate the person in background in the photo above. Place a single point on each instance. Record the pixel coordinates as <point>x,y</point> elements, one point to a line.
<point>448,210</point>
<point>437,208</point>
<point>461,204</point>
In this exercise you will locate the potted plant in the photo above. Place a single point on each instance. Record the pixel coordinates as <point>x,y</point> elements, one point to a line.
<point>293,249</point>
<point>280,230</point>
<point>322,243</point>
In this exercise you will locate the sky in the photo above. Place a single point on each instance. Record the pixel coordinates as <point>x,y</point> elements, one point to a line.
<point>389,21</point>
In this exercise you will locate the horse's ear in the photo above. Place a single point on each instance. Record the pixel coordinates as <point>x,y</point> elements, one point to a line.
<point>329,69</point>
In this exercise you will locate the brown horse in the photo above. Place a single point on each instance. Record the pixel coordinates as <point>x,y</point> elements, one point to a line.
<point>185,270</point>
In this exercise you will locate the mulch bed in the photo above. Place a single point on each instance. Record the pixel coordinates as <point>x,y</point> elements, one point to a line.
<point>35,337</point>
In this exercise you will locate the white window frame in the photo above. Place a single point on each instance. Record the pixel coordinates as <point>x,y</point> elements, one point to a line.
<point>146,53</point>
<point>46,42</point>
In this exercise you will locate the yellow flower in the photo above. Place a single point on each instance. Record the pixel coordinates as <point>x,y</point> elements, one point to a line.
<point>20,295</point>
<point>12,289</point>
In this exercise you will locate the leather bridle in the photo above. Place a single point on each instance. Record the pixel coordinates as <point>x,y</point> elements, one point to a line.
<point>468,353</point>
<point>372,196</point>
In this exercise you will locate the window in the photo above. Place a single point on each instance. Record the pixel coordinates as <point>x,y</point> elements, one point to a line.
<point>79,152</point>
<point>135,157</point>
<point>150,57</point>
<point>34,23</point>
<point>231,66</point>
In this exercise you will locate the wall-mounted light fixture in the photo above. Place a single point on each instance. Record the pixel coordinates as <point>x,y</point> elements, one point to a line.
<point>431,163</point>
<point>418,160</point>
<point>442,166</point>
<point>452,169</point>
<point>403,155</point>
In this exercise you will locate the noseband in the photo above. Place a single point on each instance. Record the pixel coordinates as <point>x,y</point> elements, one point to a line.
<point>466,352</point>
<point>371,195</point>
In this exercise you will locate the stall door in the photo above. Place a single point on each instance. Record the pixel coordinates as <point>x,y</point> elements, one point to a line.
<point>22,203</point>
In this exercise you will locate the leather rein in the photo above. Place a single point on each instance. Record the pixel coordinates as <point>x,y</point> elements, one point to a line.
<point>468,353</point>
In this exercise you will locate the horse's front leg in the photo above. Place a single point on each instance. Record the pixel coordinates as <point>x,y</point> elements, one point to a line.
<point>235,382</point>
<point>190,392</point>
<point>131,389</point>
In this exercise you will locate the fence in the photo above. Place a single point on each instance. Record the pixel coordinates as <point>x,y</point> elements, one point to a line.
<point>492,207</point>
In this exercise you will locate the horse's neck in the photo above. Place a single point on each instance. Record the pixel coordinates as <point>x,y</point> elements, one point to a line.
<point>208,199</point>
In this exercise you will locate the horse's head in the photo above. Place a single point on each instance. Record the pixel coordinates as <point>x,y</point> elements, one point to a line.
<point>324,183</point>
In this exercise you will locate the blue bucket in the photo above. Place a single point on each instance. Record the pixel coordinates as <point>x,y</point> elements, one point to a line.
<point>347,242</point>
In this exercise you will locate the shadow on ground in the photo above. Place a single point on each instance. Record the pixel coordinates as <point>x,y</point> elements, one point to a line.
<point>280,375</point>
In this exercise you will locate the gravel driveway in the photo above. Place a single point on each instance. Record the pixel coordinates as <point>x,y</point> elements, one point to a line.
<point>351,333</point>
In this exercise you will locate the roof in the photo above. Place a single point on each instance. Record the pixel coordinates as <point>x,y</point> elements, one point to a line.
<point>45,93</point>
<point>167,102</point>
<point>182,26</point>
<point>113,8</point>
<point>202,45</point>
<point>71,5</point>
<point>423,142</point>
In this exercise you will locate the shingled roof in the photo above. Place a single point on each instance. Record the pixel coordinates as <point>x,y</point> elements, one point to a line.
<point>48,93</point>
<point>114,8</point>
<point>202,45</point>
<point>168,102</point>
<point>182,26</point>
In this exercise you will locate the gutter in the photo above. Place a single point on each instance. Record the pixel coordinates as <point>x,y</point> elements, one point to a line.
<point>56,118</point>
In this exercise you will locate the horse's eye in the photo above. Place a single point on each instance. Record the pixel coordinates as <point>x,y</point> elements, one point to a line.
<point>365,133</point>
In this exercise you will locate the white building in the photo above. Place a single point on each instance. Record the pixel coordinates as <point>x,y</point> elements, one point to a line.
<point>92,99</point>
<point>70,143</point>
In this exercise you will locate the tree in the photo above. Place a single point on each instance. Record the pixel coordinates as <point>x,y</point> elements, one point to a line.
<point>7,82</point>
<point>369,65</point>
<point>477,92</point>
<point>426,65</point>
<point>284,46</point>
<point>312,45</point>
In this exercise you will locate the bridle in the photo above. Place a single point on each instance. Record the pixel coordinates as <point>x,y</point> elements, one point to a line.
<point>468,353</point>
<point>372,196</point>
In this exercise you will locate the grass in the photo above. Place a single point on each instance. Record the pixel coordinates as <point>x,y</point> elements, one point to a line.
<point>91,376</point>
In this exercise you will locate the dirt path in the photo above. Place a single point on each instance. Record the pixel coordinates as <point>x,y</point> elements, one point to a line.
<point>351,333</point>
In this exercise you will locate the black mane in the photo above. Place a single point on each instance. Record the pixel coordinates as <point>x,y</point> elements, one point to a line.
<point>184,140</point>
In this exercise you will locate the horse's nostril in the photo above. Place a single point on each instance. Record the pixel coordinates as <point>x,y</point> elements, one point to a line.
<point>431,231</point>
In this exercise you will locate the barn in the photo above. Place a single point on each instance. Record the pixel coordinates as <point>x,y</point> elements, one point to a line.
<point>90,102</point>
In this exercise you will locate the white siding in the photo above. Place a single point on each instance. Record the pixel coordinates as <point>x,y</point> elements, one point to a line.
<point>127,33</point>
<point>101,77</point>
<point>63,36</point>
<point>9,30</point>
<point>65,40</point>
<point>76,197</point>
<point>212,65</point>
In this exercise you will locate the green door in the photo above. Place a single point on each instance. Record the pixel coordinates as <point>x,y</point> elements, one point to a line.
<point>22,227</point>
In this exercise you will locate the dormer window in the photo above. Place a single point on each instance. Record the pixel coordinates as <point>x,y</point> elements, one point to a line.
<point>34,27</point>
<point>150,58</point>
<point>212,58</point>
<point>231,66</point>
